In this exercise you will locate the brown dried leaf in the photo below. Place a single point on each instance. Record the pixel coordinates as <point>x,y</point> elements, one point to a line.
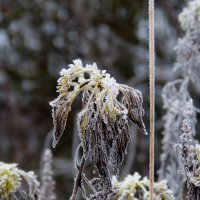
<point>133,101</point>
<point>120,144</point>
<point>60,110</point>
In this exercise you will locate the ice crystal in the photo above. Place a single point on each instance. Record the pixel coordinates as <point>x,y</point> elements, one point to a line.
<point>133,187</point>
<point>103,120</point>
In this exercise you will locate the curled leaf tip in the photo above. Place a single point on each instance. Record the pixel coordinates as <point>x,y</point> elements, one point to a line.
<point>143,129</point>
<point>133,101</point>
<point>54,143</point>
<point>60,109</point>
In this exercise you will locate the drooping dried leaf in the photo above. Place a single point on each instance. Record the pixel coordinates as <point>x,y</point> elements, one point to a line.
<point>105,141</point>
<point>108,136</point>
<point>60,110</point>
<point>120,147</point>
<point>133,101</point>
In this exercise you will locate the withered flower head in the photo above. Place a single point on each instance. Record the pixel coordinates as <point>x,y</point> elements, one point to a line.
<point>103,120</point>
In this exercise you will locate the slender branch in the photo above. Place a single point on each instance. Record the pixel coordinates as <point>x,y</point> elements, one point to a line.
<point>89,184</point>
<point>152,93</point>
<point>77,181</point>
<point>75,143</point>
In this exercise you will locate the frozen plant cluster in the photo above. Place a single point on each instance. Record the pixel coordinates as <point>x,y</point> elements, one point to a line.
<point>99,86</point>
<point>16,183</point>
<point>135,188</point>
<point>190,16</point>
<point>188,54</point>
<point>103,121</point>
<point>176,93</point>
<point>189,154</point>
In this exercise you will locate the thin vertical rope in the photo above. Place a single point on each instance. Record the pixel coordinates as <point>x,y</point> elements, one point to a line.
<point>152,94</point>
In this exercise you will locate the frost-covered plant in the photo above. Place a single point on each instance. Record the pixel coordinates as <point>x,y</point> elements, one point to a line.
<point>189,154</point>
<point>135,188</point>
<point>103,120</point>
<point>188,53</point>
<point>176,94</point>
<point>16,183</point>
<point>9,179</point>
<point>47,182</point>
<point>190,16</point>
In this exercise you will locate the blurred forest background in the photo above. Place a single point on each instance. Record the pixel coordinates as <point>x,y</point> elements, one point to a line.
<point>40,37</point>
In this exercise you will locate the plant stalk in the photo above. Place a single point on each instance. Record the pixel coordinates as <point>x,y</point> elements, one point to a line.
<point>77,182</point>
<point>152,95</point>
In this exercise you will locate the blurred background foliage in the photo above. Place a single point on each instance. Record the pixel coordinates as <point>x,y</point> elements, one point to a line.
<point>39,37</point>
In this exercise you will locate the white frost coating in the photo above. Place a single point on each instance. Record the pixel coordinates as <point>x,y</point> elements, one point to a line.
<point>78,62</point>
<point>110,88</point>
<point>189,108</point>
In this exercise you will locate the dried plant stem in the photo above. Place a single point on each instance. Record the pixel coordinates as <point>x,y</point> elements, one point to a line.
<point>152,93</point>
<point>77,182</point>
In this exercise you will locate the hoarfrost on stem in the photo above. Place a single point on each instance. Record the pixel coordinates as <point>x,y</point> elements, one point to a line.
<point>47,182</point>
<point>189,153</point>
